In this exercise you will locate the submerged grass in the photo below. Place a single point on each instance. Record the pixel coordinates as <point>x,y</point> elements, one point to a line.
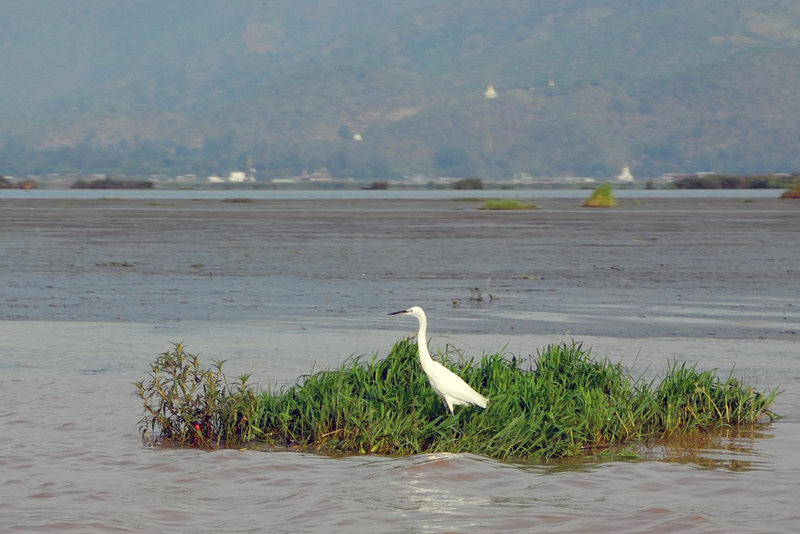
<point>556,404</point>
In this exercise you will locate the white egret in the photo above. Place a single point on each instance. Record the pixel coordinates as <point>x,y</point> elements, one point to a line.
<point>448,385</point>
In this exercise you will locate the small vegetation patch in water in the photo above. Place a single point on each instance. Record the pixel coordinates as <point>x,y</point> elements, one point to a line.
<point>185,404</point>
<point>559,403</point>
<point>602,197</point>
<point>506,204</point>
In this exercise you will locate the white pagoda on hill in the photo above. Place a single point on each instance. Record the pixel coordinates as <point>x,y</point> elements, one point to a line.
<point>625,175</point>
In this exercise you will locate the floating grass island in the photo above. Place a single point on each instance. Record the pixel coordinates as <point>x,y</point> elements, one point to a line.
<point>602,197</point>
<point>559,403</point>
<point>506,204</point>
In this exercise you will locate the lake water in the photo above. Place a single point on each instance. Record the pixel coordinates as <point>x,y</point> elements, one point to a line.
<point>94,289</point>
<point>385,194</point>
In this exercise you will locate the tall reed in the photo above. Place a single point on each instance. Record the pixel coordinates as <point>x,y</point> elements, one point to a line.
<point>185,404</point>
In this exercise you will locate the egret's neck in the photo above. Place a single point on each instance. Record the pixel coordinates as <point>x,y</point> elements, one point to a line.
<point>422,342</point>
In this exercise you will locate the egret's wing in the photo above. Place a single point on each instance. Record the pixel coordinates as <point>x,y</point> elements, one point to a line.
<point>446,382</point>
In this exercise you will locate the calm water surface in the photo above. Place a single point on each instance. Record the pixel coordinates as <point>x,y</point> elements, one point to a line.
<point>77,329</point>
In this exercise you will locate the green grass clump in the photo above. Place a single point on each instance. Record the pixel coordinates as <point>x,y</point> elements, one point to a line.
<point>557,404</point>
<point>506,204</point>
<point>602,197</point>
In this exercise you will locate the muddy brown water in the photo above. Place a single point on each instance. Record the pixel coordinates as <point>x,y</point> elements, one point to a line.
<point>92,290</point>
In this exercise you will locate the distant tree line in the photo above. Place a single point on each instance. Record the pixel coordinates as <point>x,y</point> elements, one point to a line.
<point>109,183</point>
<point>5,183</point>
<point>731,181</point>
<point>468,183</point>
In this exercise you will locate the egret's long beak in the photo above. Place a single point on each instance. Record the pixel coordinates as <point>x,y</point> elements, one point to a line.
<point>399,312</point>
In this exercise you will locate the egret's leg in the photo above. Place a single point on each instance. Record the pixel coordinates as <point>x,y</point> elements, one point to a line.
<point>448,405</point>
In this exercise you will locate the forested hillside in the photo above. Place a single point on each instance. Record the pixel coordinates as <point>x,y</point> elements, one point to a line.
<point>583,87</point>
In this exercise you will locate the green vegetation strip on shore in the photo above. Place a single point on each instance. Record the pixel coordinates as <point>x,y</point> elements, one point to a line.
<point>733,181</point>
<point>556,404</point>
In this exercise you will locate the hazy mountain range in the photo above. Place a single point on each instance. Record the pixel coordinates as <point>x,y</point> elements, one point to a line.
<point>583,87</point>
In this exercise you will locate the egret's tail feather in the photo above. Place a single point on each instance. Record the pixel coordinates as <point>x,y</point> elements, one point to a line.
<point>472,398</point>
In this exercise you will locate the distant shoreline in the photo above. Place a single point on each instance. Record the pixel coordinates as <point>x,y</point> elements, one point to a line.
<point>134,184</point>
<point>710,182</point>
<point>375,194</point>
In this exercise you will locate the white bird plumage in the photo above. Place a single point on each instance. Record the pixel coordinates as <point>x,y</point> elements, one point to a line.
<point>448,385</point>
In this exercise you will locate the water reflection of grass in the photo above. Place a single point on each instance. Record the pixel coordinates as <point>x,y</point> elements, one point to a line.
<point>562,403</point>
